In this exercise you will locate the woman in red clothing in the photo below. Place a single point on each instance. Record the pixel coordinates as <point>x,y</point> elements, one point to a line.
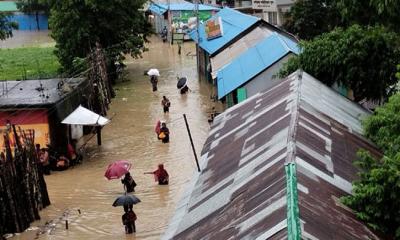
<point>160,175</point>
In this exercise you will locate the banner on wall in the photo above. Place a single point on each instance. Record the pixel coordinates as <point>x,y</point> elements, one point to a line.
<point>39,131</point>
<point>31,122</point>
<point>214,28</point>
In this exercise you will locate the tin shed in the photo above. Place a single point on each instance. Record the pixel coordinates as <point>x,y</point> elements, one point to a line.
<point>275,167</point>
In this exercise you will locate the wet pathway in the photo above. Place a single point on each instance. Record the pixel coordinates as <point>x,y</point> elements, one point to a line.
<point>131,136</point>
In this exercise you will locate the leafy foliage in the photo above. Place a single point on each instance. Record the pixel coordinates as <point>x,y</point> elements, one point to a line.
<point>32,6</point>
<point>78,25</point>
<point>310,18</point>
<point>6,27</point>
<point>383,127</point>
<point>371,12</point>
<point>361,58</point>
<point>376,196</point>
<point>398,73</point>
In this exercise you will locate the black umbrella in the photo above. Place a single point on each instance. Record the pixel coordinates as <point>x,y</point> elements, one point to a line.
<point>126,200</point>
<point>181,82</point>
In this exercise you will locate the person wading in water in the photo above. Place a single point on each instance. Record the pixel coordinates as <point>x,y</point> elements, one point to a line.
<point>129,183</point>
<point>160,175</point>
<point>128,219</point>
<point>166,104</point>
<point>164,133</point>
<point>154,81</point>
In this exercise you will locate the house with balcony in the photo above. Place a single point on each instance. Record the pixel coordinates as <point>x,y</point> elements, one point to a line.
<point>272,11</point>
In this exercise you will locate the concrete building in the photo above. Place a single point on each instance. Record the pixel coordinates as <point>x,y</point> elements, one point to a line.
<point>272,11</point>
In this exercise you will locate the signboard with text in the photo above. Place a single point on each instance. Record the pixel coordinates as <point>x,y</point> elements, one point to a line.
<point>266,5</point>
<point>213,28</point>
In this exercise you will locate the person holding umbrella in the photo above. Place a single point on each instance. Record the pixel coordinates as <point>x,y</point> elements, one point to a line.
<point>129,183</point>
<point>182,85</point>
<point>154,74</point>
<point>118,169</point>
<point>128,219</point>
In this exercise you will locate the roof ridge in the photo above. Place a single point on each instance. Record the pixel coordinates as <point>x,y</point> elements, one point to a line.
<point>292,214</point>
<point>284,43</point>
<point>291,141</point>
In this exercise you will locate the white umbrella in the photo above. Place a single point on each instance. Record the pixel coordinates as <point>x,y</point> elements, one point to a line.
<point>83,116</point>
<point>153,72</point>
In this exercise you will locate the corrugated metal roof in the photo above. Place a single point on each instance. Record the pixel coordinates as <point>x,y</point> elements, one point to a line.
<point>253,61</point>
<point>161,8</point>
<point>233,24</point>
<point>241,191</point>
<point>26,94</point>
<point>234,50</point>
<point>8,6</point>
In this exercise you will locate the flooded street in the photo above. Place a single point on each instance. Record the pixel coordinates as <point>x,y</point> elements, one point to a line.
<point>28,39</point>
<point>130,136</point>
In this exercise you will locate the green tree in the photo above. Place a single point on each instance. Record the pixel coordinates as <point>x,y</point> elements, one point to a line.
<point>310,18</point>
<point>376,195</point>
<point>362,59</point>
<point>371,12</point>
<point>383,127</point>
<point>6,27</point>
<point>33,7</point>
<point>79,26</point>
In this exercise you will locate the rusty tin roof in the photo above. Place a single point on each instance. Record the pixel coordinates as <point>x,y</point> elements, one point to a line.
<point>242,191</point>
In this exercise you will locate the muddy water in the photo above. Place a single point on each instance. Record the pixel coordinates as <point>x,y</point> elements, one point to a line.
<point>131,136</point>
<point>28,39</point>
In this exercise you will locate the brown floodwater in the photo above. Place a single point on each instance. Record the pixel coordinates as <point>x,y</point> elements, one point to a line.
<point>28,39</point>
<point>130,136</point>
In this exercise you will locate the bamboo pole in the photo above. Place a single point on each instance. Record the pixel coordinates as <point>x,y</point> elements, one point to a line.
<point>23,191</point>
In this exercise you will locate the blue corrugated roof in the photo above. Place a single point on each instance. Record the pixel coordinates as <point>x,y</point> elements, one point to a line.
<point>157,9</point>
<point>161,8</point>
<point>254,61</point>
<point>233,24</point>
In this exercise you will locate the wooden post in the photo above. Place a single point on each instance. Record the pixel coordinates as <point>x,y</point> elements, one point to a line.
<point>191,142</point>
<point>98,130</point>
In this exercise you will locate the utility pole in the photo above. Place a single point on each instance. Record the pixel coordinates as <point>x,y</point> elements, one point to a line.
<point>196,9</point>
<point>169,21</point>
<point>191,142</point>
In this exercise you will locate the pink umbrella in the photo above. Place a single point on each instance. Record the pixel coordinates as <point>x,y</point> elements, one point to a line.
<point>117,169</point>
<point>157,127</point>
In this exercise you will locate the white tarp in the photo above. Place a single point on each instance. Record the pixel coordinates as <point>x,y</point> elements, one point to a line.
<point>83,116</point>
